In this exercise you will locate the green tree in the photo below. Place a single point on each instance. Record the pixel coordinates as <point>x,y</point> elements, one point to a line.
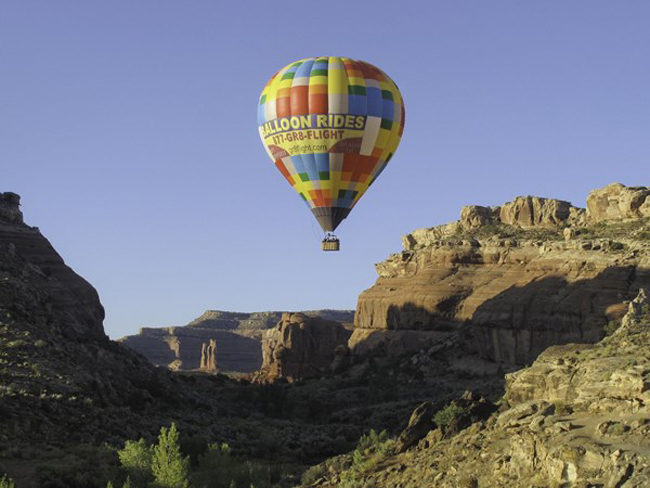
<point>136,459</point>
<point>6,482</point>
<point>170,469</point>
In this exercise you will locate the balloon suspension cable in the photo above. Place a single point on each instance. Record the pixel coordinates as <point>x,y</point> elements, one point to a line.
<point>331,242</point>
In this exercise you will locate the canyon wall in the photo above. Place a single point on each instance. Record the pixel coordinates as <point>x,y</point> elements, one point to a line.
<point>237,336</point>
<point>532,273</point>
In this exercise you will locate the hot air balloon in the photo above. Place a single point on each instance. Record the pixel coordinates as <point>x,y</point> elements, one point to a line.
<point>330,125</point>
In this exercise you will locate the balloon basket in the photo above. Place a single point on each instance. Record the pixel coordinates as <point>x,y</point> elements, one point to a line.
<point>331,244</point>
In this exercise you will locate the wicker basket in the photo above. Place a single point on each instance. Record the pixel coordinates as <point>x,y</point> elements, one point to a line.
<point>331,245</point>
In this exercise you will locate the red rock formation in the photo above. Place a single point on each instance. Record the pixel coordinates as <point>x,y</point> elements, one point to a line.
<point>238,335</point>
<point>523,290</point>
<point>301,347</point>
<point>209,357</point>
<point>181,348</point>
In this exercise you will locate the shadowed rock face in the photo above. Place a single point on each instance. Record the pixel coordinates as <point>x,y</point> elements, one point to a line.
<point>577,417</point>
<point>524,287</point>
<point>62,379</point>
<point>69,295</point>
<point>181,348</point>
<point>301,347</point>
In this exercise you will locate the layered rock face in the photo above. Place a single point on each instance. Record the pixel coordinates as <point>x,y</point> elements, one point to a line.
<point>301,347</point>
<point>578,417</point>
<point>254,324</point>
<point>68,293</point>
<point>237,336</point>
<point>527,275</point>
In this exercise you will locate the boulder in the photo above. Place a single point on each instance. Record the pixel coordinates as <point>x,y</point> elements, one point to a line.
<point>618,202</point>
<point>474,216</point>
<point>420,423</point>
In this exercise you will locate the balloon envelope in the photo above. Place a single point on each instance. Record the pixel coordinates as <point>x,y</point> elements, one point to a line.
<point>330,125</point>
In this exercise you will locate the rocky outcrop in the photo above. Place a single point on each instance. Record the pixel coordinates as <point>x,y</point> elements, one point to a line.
<point>579,416</point>
<point>62,380</point>
<point>529,212</point>
<point>513,273</point>
<point>67,293</point>
<point>10,208</point>
<point>618,202</point>
<point>301,347</point>
<point>612,375</point>
<point>209,357</point>
<point>523,212</point>
<point>237,335</point>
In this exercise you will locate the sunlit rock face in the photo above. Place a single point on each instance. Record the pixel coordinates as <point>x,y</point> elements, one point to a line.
<point>618,202</point>
<point>527,275</point>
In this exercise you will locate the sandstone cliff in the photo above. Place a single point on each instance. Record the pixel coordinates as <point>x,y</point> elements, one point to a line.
<point>301,347</point>
<point>579,416</point>
<point>532,273</point>
<point>237,336</point>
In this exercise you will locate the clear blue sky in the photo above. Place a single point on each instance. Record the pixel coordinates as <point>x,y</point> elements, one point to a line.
<point>129,129</point>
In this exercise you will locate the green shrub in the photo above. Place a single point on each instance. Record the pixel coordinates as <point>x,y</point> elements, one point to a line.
<point>617,429</point>
<point>370,450</point>
<point>645,310</point>
<point>162,462</point>
<point>219,469</point>
<point>170,469</point>
<point>611,327</point>
<point>443,417</point>
<point>163,465</point>
<point>6,482</point>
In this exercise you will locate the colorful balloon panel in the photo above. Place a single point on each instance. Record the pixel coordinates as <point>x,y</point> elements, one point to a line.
<point>330,125</point>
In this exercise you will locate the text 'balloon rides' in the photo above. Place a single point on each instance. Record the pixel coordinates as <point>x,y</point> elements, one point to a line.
<point>330,125</point>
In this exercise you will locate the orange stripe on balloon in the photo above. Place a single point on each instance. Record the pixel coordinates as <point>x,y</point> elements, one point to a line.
<point>283,107</point>
<point>280,165</point>
<point>300,100</point>
<point>317,103</point>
